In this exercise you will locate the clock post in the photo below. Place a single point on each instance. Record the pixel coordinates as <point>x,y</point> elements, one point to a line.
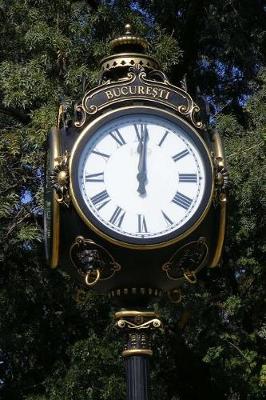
<point>137,327</point>
<point>135,196</point>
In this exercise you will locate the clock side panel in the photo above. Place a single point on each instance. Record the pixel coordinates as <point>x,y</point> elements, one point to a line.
<point>51,206</point>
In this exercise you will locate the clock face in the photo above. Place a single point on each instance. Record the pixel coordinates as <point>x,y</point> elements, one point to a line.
<point>142,176</point>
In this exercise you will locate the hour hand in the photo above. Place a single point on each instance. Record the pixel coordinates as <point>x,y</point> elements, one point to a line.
<point>142,178</point>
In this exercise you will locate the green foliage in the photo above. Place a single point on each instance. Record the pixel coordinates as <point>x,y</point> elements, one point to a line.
<point>55,347</point>
<point>95,371</point>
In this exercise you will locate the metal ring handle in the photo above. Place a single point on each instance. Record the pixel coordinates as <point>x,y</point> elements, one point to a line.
<point>89,274</point>
<point>190,277</point>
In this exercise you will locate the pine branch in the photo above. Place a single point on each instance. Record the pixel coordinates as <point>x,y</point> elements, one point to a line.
<point>94,4</point>
<point>17,114</point>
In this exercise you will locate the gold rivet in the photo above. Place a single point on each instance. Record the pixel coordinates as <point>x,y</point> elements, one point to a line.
<point>62,178</point>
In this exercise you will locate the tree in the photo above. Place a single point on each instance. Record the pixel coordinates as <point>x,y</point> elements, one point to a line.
<point>51,346</point>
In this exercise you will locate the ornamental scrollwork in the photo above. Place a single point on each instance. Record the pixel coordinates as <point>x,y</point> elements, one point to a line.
<point>153,323</point>
<point>80,115</point>
<point>60,179</point>
<point>152,87</point>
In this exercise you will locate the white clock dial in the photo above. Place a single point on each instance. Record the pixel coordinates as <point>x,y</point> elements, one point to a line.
<point>141,176</point>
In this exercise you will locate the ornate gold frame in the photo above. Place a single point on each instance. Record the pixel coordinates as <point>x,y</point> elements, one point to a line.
<point>104,235</point>
<point>55,153</point>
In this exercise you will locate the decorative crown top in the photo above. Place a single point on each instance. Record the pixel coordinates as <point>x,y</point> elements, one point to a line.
<point>127,50</point>
<point>130,41</point>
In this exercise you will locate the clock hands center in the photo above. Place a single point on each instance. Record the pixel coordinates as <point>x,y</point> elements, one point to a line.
<point>142,168</point>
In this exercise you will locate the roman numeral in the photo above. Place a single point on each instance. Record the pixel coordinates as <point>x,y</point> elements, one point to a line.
<point>167,219</point>
<point>142,226</point>
<point>100,199</point>
<point>182,200</point>
<point>139,131</point>
<point>117,217</point>
<point>100,154</point>
<point>116,135</point>
<point>187,177</point>
<point>94,177</point>
<point>163,138</point>
<point>180,155</point>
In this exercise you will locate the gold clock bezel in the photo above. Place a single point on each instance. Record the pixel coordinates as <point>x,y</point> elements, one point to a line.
<point>86,131</point>
<point>55,149</point>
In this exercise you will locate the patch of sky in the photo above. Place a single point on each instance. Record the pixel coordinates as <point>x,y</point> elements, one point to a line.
<point>149,19</point>
<point>223,70</point>
<point>26,197</point>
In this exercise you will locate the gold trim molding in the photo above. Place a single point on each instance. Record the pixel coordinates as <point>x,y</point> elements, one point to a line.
<point>55,148</point>
<point>221,184</point>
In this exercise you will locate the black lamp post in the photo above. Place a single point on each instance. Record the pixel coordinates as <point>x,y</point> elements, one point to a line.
<point>135,195</point>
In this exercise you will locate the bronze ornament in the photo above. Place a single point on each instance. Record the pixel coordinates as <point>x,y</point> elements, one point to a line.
<point>60,179</point>
<point>187,262</point>
<point>92,261</point>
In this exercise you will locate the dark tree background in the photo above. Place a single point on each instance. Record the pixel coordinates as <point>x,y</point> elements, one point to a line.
<point>57,343</point>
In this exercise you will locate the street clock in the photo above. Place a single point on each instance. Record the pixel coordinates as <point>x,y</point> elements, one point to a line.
<point>135,198</point>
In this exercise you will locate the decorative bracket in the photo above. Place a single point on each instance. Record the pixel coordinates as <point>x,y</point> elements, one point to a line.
<point>60,179</point>
<point>92,261</point>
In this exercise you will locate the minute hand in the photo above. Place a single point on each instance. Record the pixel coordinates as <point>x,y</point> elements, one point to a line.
<point>142,174</point>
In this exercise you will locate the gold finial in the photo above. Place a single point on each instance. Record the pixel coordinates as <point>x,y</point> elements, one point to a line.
<point>128,50</point>
<point>128,29</point>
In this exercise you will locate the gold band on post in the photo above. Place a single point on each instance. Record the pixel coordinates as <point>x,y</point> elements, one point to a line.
<point>146,314</point>
<point>137,352</point>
